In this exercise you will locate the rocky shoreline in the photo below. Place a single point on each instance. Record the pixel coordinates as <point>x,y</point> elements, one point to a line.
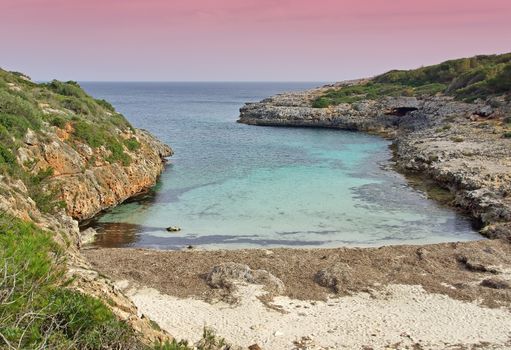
<point>458,145</point>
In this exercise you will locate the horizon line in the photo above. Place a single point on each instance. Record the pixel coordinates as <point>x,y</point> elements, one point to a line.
<point>199,81</point>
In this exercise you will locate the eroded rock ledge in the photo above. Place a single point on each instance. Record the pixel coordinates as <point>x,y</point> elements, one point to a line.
<point>458,145</point>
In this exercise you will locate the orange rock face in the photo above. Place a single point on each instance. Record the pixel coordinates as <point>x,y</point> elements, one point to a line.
<point>87,182</point>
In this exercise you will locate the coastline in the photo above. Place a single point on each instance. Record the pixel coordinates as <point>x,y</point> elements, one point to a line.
<point>460,281</point>
<point>452,143</point>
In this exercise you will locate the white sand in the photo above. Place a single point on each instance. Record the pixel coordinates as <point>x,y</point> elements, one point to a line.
<point>402,315</point>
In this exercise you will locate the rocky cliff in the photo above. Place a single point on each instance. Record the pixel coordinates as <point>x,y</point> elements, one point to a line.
<point>87,182</point>
<point>64,157</point>
<point>463,144</point>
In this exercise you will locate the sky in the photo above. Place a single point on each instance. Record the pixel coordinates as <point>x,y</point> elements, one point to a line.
<point>243,40</point>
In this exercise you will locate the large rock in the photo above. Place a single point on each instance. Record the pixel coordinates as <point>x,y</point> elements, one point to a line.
<point>223,275</point>
<point>335,277</point>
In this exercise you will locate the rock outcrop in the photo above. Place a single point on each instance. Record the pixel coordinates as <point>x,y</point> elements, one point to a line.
<point>64,157</point>
<point>459,145</point>
<point>86,181</point>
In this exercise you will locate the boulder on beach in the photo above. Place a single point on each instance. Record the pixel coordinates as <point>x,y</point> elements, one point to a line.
<point>222,276</point>
<point>335,277</point>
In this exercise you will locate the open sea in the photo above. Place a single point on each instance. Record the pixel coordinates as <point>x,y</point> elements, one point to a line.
<point>231,185</point>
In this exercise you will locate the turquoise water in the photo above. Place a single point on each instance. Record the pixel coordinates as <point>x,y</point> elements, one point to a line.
<point>231,185</point>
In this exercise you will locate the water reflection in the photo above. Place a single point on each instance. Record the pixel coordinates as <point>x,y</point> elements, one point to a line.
<point>118,234</point>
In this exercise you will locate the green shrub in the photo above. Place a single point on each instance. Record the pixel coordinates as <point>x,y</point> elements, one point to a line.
<point>507,135</point>
<point>16,125</point>
<point>6,156</point>
<point>132,144</point>
<point>11,103</point>
<point>41,191</point>
<point>58,121</point>
<point>18,114</point>
<point>105,104</point>
<point>76,105</point>
<point>35,309</point>
<point>321,102</point>
<point>118,154</point>
<point>89,318</point>
<point>70,88</point>
<point>466,79</point>
<point>91,135</point>
<point>172,345</point>
<point>209,341</point>
<point>502,81</point>
<point>96,137</point>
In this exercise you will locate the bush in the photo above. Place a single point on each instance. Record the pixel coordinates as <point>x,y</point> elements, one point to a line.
<point>17,114</point>
<point>132,144</point>
<point>90,319</point>
<point>321,102</point>
<point>16,125</point>
<point>466,79</point>
<point>16,105</point>
<point>502,82</point>
<point>209,341</point>
<point>507,135</point>
<point>6,156</point>
<point>58,121</point>
<point>76,105</point>
<point>105,104</point>
<point>70,88</point>
<point>35,309</point>
<point>118,154</point>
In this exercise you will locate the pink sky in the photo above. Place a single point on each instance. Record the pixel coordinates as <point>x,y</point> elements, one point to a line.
<point>315,40</point>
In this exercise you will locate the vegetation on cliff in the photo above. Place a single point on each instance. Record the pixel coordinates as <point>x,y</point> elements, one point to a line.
<point>29,107</point>
<point>466,79</point>
<point>25,105</point>
<point>39,308</point>
<point>35,311</point>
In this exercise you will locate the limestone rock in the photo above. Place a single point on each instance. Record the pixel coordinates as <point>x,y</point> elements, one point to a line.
<point>222,275</point>
<point>334,277</point>
<point>87,236</point>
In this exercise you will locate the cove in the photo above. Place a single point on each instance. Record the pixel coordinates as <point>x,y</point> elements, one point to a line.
<point>231,185</point>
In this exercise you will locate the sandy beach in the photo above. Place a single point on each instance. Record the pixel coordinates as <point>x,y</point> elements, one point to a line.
<point>453,295</point>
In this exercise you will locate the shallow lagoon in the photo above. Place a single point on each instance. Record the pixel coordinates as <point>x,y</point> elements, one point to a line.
<point>231,185</point>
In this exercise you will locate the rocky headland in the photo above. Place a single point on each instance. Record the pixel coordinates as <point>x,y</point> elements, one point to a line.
<point>462,146</point>
<point>64,157</point>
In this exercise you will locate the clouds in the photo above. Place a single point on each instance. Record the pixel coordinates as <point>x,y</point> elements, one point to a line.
<point>243,39</point>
